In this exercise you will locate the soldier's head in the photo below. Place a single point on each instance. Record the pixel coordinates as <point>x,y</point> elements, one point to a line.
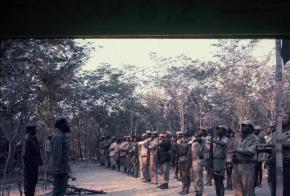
<point>168,134</point>
<point>179,134</point>
<point>221,130</point>
<point>247,127</point>
<point>128,139</point>
<point>286,120</point>
<point>62,125</point>
<point>154,134</point>
<point>119,140</point>
<point>143,136</point>
<point>202,132</point>
<point>31,129</point>
<point>257,130</point>
<point>114,138</point>
<point>124,138</point>
<point>272,126</point>
<point>148,134</point>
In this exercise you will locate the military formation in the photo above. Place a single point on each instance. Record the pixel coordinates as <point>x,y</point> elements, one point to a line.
<point>239,157</point>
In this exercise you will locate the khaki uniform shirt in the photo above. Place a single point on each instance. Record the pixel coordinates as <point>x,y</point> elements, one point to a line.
<point>153,146</point>
<point>144,152</point>
<point>219,156</point>
<point>247,144</point>
<point>197,149</point>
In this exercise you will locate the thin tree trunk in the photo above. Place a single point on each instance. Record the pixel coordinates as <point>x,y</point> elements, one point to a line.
<point>278,146</point>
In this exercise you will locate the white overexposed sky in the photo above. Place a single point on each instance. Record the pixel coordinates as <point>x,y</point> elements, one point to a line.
<point>118,52</point>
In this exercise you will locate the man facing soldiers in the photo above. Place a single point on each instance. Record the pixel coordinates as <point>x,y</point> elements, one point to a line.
<point>153,147</point>
<point>144,153</point>
<point>112,153</point>
<point>197,160</point>
<point>219,156</point>
<point>183,161</point>
<point>244,159</point>
<point>260,158</point>
<point>229,163</point>
<point>59,157</point>
<point>31,159</point>
<point>164,158</point>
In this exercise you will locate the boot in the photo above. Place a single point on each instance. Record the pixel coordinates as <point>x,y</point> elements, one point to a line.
<point>164,186</point>
<point>198,194</point>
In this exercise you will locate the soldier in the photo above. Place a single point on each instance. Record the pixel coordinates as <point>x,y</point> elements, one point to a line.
<point>260,158</point>
<point>153,147</point>
<point>134,157</point>
<point>128,156</point>
<point>59,157</point>
<point>229,163</point>
<point>144,153</point>
<point>122,153</point>
<point>107,152</point>
<point>164,158</point>
<point>244,159</point>
<point>183,161</point>
<point>112,152</point>
<point>173,156</point>
<point>219,156</point>
<point>285,140</point>
<point>102,150</point>
<point>208,166</point>
<point>197,156</point>
<point>31,159</point>
<point>117,154</point>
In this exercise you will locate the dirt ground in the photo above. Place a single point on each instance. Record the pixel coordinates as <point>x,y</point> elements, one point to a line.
<point>90,175</point>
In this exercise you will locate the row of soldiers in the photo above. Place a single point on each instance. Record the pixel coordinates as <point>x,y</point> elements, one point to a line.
<point>237,155</point>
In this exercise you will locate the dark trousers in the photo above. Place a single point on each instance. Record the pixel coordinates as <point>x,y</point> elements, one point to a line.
<point>219,185</point>
<point>286,178</point>
<point>258,173</point>
<point>60,184</point>
<point>229,169</point>
<point>30,180</point>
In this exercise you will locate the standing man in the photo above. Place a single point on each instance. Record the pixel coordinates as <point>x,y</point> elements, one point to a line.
<point>207,158</point>
<point>219,156</point>
<point>197,160</point>
<point>59,157</point>
<point>164,158</point>
<point>229,162</point>
<point>31,159</point>
<point>123,151</point>
<point>153,147</point>
<point>183,161</point>
<point>244,160</point>
<point>112,153</point>
<point>144,153</point>
<point>102,150</point>
<point>260,158</point>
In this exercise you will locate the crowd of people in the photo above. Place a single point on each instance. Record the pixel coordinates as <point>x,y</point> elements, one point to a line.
<point>238,156</point>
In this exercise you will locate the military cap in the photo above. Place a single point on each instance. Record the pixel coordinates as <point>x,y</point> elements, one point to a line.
<point>257,127</point>
<point>113,137</point>
<point>272,123</point>
<point>154,132</point>
<point>248,122</point>
<point>203,129</point>
<point>179,133</point>
<point>162,135</point>
<point>143,134</point>
<point>169,133</point>
<point>148,132</point>
<point>222,127</point>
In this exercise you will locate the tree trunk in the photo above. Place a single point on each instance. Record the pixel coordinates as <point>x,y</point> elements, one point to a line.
<point>278,146</point>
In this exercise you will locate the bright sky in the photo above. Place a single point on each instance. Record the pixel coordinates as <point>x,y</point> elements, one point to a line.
<point>136,51</point>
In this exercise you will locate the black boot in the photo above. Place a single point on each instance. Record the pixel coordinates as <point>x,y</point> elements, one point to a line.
<point>164,186</point>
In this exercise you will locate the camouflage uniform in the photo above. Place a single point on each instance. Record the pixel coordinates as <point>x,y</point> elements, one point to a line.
<point>197,157</point>
<point>183,160</point>
<point>244,166</point>
<point>124,146</point>
<point>153,147</point>
<point>207,161</point>
<point>134,158</point>
<point>229,164</point>
<point>112,153</point>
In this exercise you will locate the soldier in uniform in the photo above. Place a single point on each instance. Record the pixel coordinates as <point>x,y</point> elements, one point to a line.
<point>285,140</point>
<point>102,150</point>
<point>144,153</point>
<point>229,163</point>
<point>164,158</point>
<point>197,160</point>
<point>183,161</point>
<point>128,156</point>
<point>173,154</point>
<point>260,158</point>
<point>134,157</point>
<point>153,147</point>
<point>219,156</point>
<point>112,152</point>
<point>117,154</point>
<point>59,158</point>
<point>207,159</point>
<point>31,159</point>
<point>107,152</point>
<point>244,160</point>
<point>123,151</point>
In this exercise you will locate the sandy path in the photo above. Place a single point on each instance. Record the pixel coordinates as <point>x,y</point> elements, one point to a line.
<point>90,175</point>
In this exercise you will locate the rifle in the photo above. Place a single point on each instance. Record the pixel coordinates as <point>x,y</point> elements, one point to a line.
<point>78,190</point>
